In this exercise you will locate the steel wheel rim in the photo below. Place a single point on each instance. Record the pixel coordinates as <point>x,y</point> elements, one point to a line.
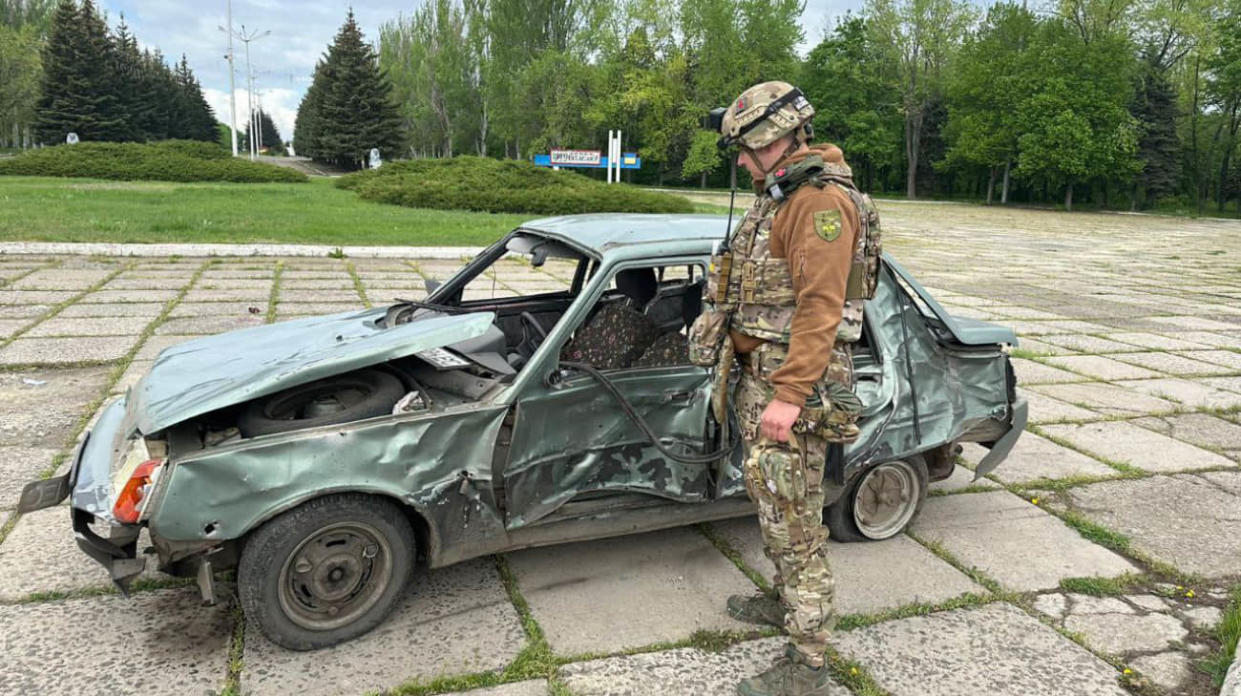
<point>886,499</point>
<point>335,575</point>
<point>341,394</point>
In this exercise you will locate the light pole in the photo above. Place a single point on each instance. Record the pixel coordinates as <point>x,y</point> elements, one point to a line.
<point>246,38</point>
<point>232,88</point>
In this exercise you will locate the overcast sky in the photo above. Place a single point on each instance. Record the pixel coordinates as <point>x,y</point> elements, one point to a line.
<point>300,33</point>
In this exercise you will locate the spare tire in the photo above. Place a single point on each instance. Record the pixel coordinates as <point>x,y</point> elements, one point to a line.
<point>341,399</point>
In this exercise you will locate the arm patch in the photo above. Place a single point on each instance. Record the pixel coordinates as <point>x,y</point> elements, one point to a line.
<point>827,224</point>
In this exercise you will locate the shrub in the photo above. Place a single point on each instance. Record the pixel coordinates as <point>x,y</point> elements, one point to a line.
<point>166,161</point>
<point>502,186</point>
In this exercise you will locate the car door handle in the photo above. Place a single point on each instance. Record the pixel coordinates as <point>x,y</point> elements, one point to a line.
<point>679,398</point>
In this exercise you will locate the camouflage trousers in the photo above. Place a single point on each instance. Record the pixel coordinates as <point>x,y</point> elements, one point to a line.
<point>785,481</point>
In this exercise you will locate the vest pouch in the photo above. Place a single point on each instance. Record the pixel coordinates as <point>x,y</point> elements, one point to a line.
<point>833,416</point>
<point>706,335</point>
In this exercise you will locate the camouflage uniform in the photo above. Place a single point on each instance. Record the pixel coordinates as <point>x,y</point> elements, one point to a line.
<point>613,338</point>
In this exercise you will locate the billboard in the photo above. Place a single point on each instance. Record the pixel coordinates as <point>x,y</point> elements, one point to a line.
<point>576,158</point>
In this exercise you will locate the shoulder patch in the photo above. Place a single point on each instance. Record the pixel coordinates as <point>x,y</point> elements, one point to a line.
<point>827,224</point>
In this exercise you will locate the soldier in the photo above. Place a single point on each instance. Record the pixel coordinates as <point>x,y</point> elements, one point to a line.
<point>784,299</point>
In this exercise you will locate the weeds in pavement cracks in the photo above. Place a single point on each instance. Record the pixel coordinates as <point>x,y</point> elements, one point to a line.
<point>1228,631</point>
<point>274,298</point>
<point>357,284</point>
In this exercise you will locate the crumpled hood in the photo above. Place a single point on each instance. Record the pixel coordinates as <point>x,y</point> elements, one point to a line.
<point>206,374</point>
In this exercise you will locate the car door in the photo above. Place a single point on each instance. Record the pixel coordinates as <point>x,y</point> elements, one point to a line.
<point>572,439</point>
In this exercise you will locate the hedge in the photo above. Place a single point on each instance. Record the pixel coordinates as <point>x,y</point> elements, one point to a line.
<point>502,186</point>
<point>173,160</point>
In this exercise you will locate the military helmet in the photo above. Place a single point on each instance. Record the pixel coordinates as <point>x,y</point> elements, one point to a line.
<point>763,114</point>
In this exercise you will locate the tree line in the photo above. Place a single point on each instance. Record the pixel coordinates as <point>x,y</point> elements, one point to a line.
<point>64,70</point>
<point>1125,103</point>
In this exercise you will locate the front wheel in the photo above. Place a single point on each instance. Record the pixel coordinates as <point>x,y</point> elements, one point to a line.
<point>880,503</point>
<point>327,571</point>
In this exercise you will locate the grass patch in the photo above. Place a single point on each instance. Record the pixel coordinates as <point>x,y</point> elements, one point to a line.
<point>357,284</point>
<point>85,210</point>
<point>236,653</point>
<point>1102,587</point>
<point>1097,533</point>
<point>1228,632</point>
<point>853,675</point>
<point>721,544</point>
<point>274,298</point>
<point>850,622</point>
<point>970,571</point>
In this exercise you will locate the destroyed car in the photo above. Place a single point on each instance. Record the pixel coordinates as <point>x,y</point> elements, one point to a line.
<point>322,458</point>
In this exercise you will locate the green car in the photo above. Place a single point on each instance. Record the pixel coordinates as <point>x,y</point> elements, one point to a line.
<point>322,458</point>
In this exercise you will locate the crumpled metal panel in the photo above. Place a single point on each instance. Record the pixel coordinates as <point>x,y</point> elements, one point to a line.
<point>206,374</point>
<point>957,389</point>
<point>92,491</point>
<point>576,439</point>
<point>440,464</point>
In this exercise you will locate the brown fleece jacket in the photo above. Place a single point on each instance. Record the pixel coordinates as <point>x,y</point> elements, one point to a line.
<point>820,272</point>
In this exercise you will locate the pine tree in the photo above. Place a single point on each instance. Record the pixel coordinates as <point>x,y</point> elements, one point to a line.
<point>269,136</point>
<point>1159,148</point>
<point>353,110</point>
<point>197,119</point>
<point>79,87</point>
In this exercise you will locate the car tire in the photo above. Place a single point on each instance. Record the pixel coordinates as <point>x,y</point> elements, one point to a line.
<point>339,399</point>
<point>327,571</point>
<point>880,502</point>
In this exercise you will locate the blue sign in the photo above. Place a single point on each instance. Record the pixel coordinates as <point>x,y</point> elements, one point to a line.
<point>629,160</point>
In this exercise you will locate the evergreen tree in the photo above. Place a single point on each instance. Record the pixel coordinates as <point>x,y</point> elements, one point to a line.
<point>79,89</point>
<point>354,111</point>
<point>197,119</point>
<point>269,136</point>
<point>1159,148</point>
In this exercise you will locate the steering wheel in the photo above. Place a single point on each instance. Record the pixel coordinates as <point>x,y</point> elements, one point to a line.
<point>532,336</point>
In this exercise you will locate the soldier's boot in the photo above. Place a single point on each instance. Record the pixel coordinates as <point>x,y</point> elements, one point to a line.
<point>763,608</point>
<point>789,676</point>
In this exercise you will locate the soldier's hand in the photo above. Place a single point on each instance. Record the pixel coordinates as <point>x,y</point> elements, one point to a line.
<point>778,420</point>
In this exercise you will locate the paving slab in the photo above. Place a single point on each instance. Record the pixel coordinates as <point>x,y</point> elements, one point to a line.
<point>61,279</point>
<point>1031,372</point>
<point>1118,633</point>
<point>456,620</point>
<point>961,478</point>
<point>1190,392</point>
<point>1126,443</point>
<point>1165,670</point>
<point>866,574</point>
<point>42,407</point>
<point>40,555</point>
<point>1044,409</point>
<point>1100,367</point>
<point>86,326</point>
<point>1232,384</point>
<point>1225,358</point>
<point>1155,341</point>
<point>1171,363</point>
<point>133,372</point>
<point>1006,537</point>
<point>1182,520</point>
<point>1211,338</point>
<point>308,308</point>
<point>1224,479</point>
<point>1088,344</point>
<point>208,325</point>
<point>18,466</point>
<point>161,642</point>
<point>111,296</point>
<point>996,650</point>
<point>216,309</point>
<point>156,344</point>
<point>262,282</point>
<point>140,283</point>
<point>1034,457</point>
<point>296,296</point>
<point>242,295</point>
<point>679,672</point>
<point>1197,428</point>
<point>28,297</point>
<point>679,579</point>
<point>9,327</point>
<point>148,310</point>
<point>1106,399</point>
<point>1191,323</point>
<point>24,311</point>
<point>66,351</point>
<point>536,687</point>
<point>1035,347</point>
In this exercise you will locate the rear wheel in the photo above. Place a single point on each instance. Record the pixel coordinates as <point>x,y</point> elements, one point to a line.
<point>880,502</point>
<point>327,571</point>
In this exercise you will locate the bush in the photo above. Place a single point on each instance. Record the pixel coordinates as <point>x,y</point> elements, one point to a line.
<point>173,160</point>
<point>502,186</point>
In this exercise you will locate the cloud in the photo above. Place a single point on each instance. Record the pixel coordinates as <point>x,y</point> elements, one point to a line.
<point>279,103</point>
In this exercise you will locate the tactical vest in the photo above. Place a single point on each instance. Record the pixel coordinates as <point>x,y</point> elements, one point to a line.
<point>759,287</point>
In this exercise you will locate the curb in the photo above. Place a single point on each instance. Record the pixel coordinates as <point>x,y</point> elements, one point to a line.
<point>300,250</point>
<point>1232,682</point>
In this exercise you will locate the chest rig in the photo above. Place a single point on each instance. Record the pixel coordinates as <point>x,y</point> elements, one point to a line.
<point>755,288</point>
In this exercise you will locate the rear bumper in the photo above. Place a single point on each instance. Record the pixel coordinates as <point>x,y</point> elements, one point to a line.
<point>88,485</point>
<point>1004,445</point>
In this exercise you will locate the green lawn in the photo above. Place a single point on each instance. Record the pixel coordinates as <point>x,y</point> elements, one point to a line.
<point>89,210</point>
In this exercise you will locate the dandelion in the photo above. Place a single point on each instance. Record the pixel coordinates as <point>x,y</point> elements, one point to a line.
<point>1128,671</point>
<point>853,670</point>
<point>1034,500</point>
<point>1189,593</point>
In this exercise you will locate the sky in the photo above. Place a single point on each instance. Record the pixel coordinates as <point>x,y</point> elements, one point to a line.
<point>282,61</point>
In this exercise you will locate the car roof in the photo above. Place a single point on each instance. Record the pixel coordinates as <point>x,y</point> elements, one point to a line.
<point>619,236</point>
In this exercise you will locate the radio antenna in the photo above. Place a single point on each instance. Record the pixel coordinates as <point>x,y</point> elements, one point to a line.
<point>728,231</point>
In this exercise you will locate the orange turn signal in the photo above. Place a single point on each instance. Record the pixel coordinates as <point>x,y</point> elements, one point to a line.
<point>128,505</point>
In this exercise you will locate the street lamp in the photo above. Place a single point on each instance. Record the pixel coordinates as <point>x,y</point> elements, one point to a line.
<point>246,37</point>
<point>232,99</point>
